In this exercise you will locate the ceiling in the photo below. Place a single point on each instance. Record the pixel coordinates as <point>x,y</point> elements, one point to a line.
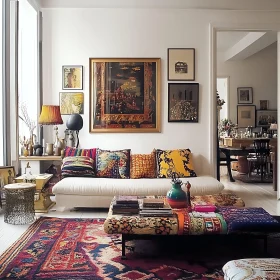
<point>237,45</point>
<point>262,5</point>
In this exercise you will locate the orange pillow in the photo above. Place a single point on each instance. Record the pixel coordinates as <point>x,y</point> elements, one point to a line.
<point>143,166</point>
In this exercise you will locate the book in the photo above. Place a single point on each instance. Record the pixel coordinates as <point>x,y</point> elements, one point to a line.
<point>153,202</point>
<point>125,211</point>
<point>126,199</point>
<point>124,206</point>
<point>155,215</point>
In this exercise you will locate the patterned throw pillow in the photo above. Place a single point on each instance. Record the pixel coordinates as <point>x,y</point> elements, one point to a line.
<point>77,166</point>
<point>71,152</point>
<point>143,166</point>
<point>113,164</point>
<point>174,161</point>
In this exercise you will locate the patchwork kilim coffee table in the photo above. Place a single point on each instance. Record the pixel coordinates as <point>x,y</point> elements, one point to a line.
<point>231,217</point>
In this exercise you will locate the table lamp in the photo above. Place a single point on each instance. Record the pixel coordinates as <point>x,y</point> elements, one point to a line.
<point>50,115</point>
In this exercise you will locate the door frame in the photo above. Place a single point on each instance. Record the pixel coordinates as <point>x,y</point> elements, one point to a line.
<point>249,27</point>
<point>228,81</point>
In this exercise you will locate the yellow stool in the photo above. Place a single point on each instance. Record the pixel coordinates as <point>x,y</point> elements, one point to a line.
<point>19,208</point>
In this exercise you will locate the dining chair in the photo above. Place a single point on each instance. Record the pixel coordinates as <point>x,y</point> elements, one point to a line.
<point>260,158</point>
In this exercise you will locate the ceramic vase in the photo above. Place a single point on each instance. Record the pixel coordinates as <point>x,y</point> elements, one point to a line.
<point>49,149</point>
<point>176,197</point>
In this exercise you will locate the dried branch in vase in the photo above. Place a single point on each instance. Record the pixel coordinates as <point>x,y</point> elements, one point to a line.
<point>26,119</point>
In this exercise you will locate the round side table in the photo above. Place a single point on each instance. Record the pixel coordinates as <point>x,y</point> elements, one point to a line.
<point>19,208</point>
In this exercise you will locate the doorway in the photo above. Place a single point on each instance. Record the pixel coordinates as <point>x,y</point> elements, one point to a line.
<point>223,91</point>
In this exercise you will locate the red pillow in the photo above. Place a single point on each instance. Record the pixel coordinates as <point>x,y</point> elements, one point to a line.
<point>71,152</point>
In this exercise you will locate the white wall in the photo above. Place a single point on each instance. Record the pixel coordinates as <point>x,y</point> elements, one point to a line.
<point>258,71</point>
<point>71,36</point>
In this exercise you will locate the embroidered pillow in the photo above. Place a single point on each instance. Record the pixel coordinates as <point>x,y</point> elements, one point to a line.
<point>174,161</point>
<point>77,166</point>
<point>143,166</point>
<point>113,164</point>
<point>71,152</point>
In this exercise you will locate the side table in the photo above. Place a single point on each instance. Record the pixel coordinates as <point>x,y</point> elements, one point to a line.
<point>42,201</point>
<point>19,208</point>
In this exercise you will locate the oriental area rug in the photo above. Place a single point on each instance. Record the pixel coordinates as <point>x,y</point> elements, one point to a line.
<point>68,249</point>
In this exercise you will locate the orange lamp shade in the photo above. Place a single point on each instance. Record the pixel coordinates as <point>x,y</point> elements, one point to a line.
<point>50,114</point>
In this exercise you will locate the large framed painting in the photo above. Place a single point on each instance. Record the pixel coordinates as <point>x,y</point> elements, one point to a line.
<point>181,64</point>
<point>246,115</point>
<point>183,102</point>
<point>266,117</point>
<point>124,94</point>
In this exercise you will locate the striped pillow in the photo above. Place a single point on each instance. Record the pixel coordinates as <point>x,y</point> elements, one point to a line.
<point>78,166</point>
<point>71,152</point>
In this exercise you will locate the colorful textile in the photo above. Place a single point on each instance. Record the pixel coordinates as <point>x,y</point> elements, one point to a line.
<point>77,166</point>
<point>248,219</point>
<point>189,224</point>
<point>174,161</point>
<point>71,152</point>
<point>220,199</point>
<point>56,248</point>
<point>143,166</point>
<point>252,269</point>
<point>113,164</point>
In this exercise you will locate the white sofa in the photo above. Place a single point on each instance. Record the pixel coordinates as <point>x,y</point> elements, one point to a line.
<point>98,192</point>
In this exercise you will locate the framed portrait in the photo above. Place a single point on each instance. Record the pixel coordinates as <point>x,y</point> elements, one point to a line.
<point>266,117</point>
<point>124,94</point>
<point>72,77</point>
<point>181,64</point>
<point>183,102</point>
<point>263,104</point>
<point>245,95</point>
<point>246,115</point>
<point>7,176</point>
<point>71,103</point>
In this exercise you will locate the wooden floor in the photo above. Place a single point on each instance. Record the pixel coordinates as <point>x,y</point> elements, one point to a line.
<point>254,195</point>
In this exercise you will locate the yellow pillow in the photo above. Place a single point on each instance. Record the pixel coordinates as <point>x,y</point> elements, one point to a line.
<point>143,166</point>
<point>174,161</point>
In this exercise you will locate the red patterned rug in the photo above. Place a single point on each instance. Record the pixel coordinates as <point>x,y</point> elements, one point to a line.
<point>64,249</point>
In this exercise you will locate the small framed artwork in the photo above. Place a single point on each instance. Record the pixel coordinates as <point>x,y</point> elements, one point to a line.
<point>266,117</point>
<point>7,176</point>
<point>181,64</point>
<point>263,104</point>
<point>246,115</point>
<point>72,77</point>
<point>183,102</point>
<point>245,95</point>
<point>71,103</point>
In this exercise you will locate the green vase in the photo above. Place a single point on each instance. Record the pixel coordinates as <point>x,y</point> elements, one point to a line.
<point>176,197</point>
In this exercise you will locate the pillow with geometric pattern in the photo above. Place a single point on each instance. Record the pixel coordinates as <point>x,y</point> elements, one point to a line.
<point>77,166</point>
<point>174,161</point>
<point>143,166</point>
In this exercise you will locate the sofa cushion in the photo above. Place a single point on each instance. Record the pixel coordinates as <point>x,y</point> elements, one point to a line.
<point>249,269</point>
<point>71,152</point>
<point>110,187</point>
<point>113,164</point>
<point>77,166</point>
<point>143,166</point>
<point>174,161</point>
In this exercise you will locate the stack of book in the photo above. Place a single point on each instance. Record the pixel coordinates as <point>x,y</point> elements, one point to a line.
<point>155,207</point>
<point>125,205</point>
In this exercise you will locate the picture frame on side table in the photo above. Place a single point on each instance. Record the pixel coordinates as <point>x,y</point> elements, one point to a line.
<point>71,103</point>
<point>266,117</point>
<point>246,115</point>
<point>72,77</point>
<point>183,102</point>
<point>245,95</point>
<point>263,104</point>
<point>181,64</point>
<point>124,94</point>
<point>7,176</point>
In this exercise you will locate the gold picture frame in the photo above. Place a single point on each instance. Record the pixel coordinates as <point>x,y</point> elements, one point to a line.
<point>7,174</point>
<point>71,103</point>
<point>124,95</point>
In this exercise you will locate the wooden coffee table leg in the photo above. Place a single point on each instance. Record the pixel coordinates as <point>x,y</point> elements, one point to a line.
<point>123,247</point>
